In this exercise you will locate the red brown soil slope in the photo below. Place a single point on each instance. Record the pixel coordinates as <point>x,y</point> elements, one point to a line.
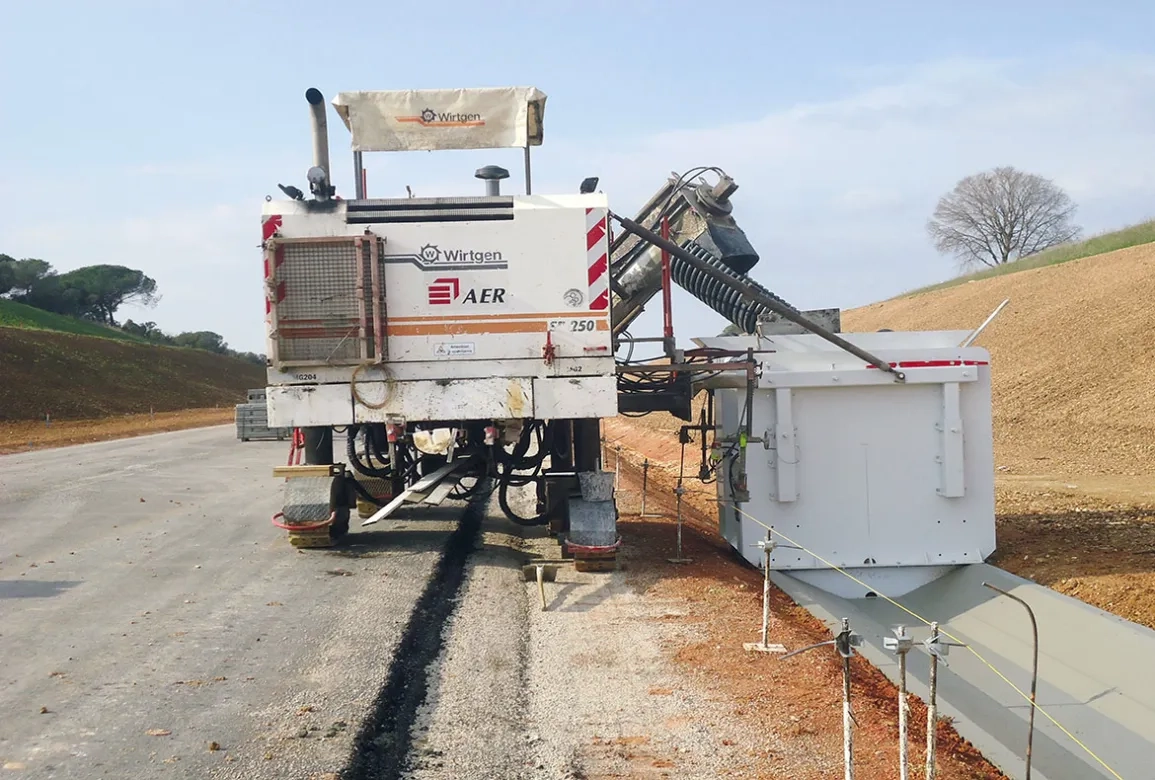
<point>1071,359</point>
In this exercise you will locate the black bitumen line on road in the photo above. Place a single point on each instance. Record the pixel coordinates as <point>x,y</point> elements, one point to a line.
<point>381,747</point>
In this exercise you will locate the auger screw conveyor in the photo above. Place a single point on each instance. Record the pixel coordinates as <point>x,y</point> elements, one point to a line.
<point>468,344</point>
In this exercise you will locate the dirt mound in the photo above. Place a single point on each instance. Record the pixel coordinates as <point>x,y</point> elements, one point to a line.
<point>1070,359</point>
<point>71,377</point>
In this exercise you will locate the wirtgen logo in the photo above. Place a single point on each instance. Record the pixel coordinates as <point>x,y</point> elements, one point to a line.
<point>430,118</point>
<point>433,255</point>
<point>446,290</point>
<point>439,260</point>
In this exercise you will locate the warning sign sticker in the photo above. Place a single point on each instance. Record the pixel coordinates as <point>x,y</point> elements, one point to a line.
<point>455,349</point>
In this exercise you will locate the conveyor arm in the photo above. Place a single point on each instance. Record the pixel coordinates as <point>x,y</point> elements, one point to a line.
<point>747,290</point>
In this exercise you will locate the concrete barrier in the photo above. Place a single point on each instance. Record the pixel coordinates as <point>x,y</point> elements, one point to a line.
<point>252,420</point>
<point>1092,670</point>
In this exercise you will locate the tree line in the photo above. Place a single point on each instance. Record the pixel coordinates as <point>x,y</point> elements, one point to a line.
<point>95,293</point>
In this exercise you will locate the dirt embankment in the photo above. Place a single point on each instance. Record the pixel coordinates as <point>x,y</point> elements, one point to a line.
<point>1071,359</point>
<point>38,435</point>
<point>78,377</point>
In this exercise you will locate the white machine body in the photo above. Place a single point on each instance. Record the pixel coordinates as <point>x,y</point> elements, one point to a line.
<point>488,307</point>
<point>891,481</point>
<point>436,309</point>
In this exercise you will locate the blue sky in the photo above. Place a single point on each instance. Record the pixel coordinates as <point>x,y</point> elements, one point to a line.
<point>147,134</point>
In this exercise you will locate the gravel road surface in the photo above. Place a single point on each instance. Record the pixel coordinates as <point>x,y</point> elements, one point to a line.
<point>154,624</point>
<point>143,591</point>
<point>581,690</point>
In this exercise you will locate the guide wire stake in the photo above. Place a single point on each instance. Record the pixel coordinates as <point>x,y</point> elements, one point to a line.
<point>680,491</point>
<point>901,644</point>
<point>845,642</point>
<point>767,546</point>
<point>938,650</point>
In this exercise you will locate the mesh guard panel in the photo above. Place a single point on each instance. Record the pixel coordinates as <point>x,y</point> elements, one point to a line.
<point>320,319</point>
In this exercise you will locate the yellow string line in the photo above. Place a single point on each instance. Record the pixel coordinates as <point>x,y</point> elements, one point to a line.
<point>917,616</point>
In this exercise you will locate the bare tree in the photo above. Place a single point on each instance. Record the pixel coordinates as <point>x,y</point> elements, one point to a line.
<point>1001,215</point>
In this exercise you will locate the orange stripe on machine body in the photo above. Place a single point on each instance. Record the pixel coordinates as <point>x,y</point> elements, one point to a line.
<point>558,315</point>
<point>419,121</point>
<point>476,328</point>
<point>437,328</point>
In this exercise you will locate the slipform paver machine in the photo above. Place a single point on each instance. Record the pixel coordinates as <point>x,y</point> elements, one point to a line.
<point>471,344</point>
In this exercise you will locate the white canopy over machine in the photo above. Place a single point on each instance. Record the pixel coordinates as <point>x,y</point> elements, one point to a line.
<point>435,119</point>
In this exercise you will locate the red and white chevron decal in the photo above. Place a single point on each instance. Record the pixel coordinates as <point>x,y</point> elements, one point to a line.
<point>597,255</point>
<point>270,225</point>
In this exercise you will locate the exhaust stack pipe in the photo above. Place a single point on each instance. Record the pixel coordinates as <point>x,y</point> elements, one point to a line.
<point>319,175</point>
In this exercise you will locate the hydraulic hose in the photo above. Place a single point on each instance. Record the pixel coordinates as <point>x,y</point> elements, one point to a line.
<point>355,461</point>
<point>517,460</point>
<point>508,462</point>
<point>462,493</point>
<point>373,445</point>
<point>503,500</point>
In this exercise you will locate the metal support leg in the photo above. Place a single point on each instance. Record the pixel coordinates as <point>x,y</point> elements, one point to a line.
<point>319,446</point>
<point>359,174</point>
<point>678,558</point>
<point>592,536</point>
<point>587,445</point>
<point>562,457</point>
<point>308,500</point>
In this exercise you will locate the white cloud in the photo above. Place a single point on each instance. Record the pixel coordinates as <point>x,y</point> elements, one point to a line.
<point>834,194</point>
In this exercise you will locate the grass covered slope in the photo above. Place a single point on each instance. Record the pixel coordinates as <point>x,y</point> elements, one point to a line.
<point>1073,358</point>
<point>1143,233</point>
<point>19,315</point>
<point>78,376</point>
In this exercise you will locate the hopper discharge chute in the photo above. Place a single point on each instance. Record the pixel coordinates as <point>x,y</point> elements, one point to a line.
<point>700,221</point>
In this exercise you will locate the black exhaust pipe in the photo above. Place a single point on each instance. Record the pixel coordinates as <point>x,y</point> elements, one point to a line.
<point>320,175</point>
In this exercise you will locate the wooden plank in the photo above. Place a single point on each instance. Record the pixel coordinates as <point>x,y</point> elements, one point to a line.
<point>441,492</point>
<point>301,471</point>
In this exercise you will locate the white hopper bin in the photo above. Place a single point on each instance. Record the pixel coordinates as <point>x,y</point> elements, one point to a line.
<point>892,481</point>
